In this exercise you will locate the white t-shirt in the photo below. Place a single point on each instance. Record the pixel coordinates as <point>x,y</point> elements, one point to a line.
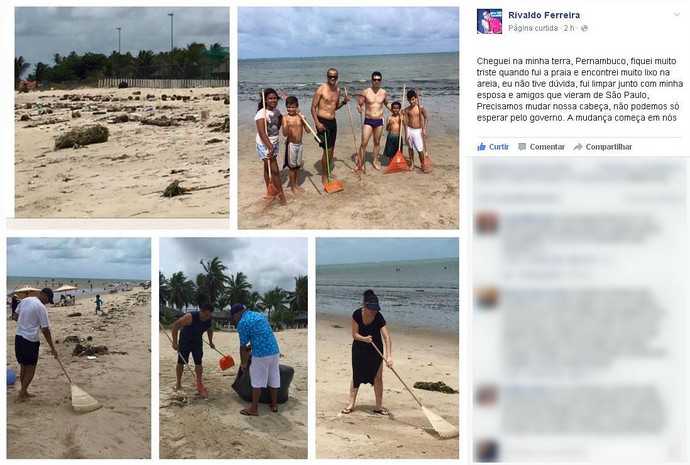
<point>32,317</point>
<point>273,124</point>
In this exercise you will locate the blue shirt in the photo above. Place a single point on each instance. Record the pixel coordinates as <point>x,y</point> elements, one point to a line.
<point>253,327</point>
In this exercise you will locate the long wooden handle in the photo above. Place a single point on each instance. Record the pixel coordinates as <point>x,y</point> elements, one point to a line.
<point>401,122</point>
<point>63,370</point>
<point>396,374</point>
<point>178,352</point>
<point>352,122</point>
<point>313,133</point>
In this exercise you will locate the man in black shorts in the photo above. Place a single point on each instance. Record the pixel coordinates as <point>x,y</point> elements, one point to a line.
<point>33,316</point>
<point>193,325</point>
<point>325,103</point>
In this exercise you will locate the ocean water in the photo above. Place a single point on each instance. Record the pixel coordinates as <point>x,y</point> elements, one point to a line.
<point>411,293</point>
<point>435,75</point>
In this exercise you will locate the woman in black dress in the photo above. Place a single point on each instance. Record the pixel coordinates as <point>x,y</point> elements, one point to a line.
<point>368,325</point>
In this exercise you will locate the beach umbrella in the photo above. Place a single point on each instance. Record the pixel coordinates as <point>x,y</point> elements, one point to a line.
<point>24,292</point>
<point>444,429</point>
<point>65,288</point>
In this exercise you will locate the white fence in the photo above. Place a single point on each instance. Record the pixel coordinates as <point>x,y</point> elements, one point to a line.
<point>165,83</point>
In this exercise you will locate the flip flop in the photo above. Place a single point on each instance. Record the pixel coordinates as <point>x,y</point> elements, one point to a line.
<point>274,410</point>
<point>382,411</point>
<point>245,412</point>
<point>346,411</point>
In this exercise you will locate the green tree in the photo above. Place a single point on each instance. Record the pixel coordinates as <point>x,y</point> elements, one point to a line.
<point>275,301</point>
<point>20,67</point>
<point>216,281</point>
<point>163,288</point>
<point>182,291</point>
<point>298,301</point>
<point>239,289</point>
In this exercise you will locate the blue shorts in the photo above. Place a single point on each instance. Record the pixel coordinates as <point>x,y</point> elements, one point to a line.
<point>262,151</point>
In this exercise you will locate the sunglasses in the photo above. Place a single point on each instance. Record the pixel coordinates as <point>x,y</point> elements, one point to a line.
<point>376,79</point>
<point>332,77</point>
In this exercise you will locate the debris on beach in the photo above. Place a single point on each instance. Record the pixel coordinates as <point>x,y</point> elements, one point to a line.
<point>439,386</point>
<point>178,398</point>
<point>221,127</point>
<point>75,313</point>
<point>213,141</point>
<point>85,350</point>
<point>93,134</point>
<point>162,121</point>
<point>71,339</point>
<point>174,189</point>
<point>25,117</point>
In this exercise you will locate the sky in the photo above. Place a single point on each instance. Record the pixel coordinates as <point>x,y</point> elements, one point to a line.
<point>89,258</point>
<point>363,250</point>
<point>267,262</point>
<point>41,32</point>
<point>309,32</point>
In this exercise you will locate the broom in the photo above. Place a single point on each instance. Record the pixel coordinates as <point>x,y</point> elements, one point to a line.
<point>200,388</point>
<point>81,400</point>
<point>444,429</point>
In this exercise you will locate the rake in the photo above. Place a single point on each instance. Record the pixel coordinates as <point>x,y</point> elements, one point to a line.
<point>200,388</point>
<point>444,429</point>
<point>81,400</point>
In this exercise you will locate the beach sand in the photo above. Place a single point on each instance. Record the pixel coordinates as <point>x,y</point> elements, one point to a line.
<point>411,200</point>
<point>124,177</point>
<point>47,427</point>
<point>418,355</point>
<point>214,428</point>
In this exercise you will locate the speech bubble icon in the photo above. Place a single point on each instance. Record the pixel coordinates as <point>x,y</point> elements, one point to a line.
<point>522,146</point>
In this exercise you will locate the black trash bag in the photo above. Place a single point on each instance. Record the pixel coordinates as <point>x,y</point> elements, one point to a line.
<point>243,385</point>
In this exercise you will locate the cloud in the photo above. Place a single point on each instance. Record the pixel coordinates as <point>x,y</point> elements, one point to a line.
<point>311,32</point>
<point>267,262</point>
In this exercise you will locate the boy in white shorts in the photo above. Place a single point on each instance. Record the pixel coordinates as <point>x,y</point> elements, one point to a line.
<point>417,122</point>
<point>293,128</point>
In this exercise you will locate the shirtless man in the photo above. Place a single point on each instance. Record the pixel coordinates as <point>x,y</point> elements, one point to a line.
<point>372,100</point>
<point>325,103</point>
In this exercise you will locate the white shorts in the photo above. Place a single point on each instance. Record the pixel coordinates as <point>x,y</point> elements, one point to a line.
<point>265,371</point>
<point>414,139</point>
<point>293,155</point>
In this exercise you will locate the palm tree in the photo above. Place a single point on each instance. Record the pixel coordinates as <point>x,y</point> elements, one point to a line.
<point>276,300</point>
<point>181,291</point>
<point>238,289</point>
<point>215,280</point>
<point>20,67</point>
<point>298,303</point>
<point>163,288</point>
<point>40,71</point>
<point>201,293</point>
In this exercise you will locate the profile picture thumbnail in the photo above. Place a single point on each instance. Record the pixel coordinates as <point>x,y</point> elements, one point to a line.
<point>490,21</point>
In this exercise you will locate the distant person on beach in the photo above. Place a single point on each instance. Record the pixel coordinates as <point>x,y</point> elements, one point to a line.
<point>98,303</point>
<point>33,316</point>
<point>192,327</point>
<point>324,104</point>
<point>254,329</point>
<point>417,122</point>
<point>372,101</point>
<point>369,326</point>
<point>15,303</point>
<point>293,128</point>
<point>268,122</point>
<point>394,126</point>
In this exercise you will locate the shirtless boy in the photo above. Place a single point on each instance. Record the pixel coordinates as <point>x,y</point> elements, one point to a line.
<point>293,128</point>
<point>394,126</point>
<point>417,122</point>
<point>325,103</point>
<point>372,100</point>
